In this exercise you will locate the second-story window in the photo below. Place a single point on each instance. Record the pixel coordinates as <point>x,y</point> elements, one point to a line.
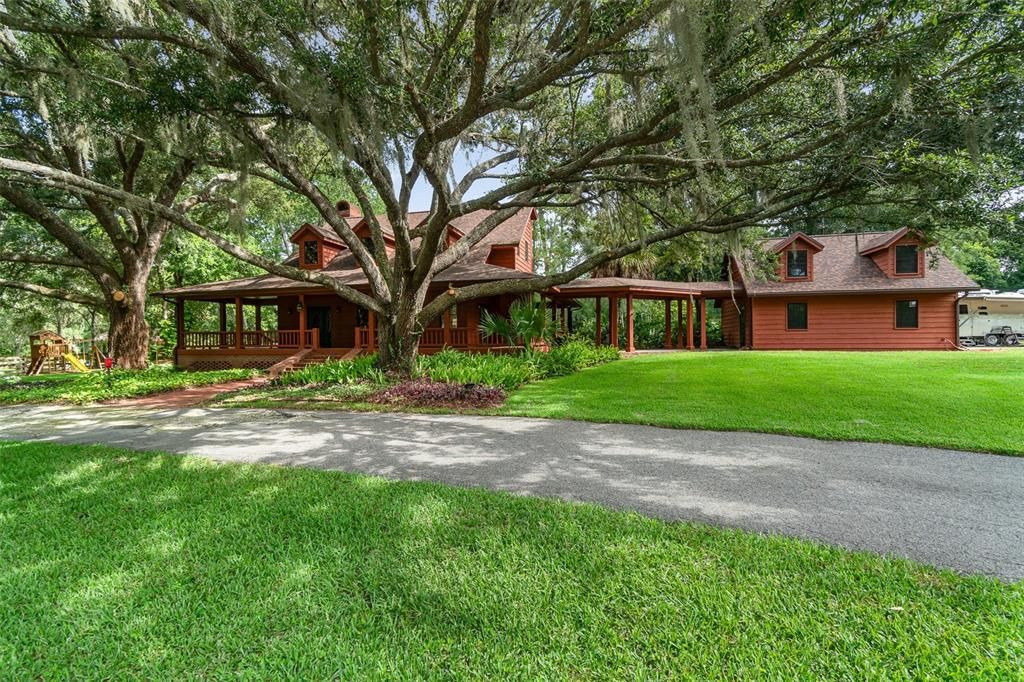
<point>796,264</point>
<point>906,259</point>
<point>311,252</point>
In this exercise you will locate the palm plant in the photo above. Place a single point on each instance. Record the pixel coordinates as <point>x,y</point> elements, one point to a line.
<point>526,322</point>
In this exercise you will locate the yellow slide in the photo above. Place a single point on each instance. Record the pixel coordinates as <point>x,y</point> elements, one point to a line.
<point>75,363</point>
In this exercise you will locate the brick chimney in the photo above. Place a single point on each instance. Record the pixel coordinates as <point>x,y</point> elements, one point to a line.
<point>347,210</point>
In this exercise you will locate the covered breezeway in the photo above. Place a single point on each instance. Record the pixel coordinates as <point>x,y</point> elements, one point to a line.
<point>689,333</point>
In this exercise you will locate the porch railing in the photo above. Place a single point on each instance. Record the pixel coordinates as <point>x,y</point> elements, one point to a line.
<point>251,339</point>
<point>208,340</point>
<point>434,337</point>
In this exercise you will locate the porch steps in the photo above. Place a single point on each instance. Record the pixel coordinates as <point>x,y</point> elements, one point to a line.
<point>310,356</point>
<point>289,363</point>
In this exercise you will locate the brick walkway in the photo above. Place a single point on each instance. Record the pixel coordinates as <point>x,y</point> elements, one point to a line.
<point>187,397</point>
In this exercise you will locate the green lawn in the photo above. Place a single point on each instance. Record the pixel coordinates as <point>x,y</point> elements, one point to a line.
<point>115,564</point>
<point>969,401</point>
<point>95,386</point>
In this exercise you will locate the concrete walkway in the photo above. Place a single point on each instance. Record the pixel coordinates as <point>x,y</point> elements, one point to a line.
<point>954,509</point>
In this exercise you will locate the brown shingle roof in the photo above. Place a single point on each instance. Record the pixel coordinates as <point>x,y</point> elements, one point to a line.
<point>472,268</point>
<point>840,268</point>
<point>879,240</point>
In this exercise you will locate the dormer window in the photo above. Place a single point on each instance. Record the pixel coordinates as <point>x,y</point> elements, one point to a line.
<point>796,264</point>
<point>907,259</point>
<point>311,252</point>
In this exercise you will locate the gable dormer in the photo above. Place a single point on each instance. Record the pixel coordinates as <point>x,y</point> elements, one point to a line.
<point>796,257</point>
<point>315,250</point>
<point>898,254</point>
<point>515,255</point>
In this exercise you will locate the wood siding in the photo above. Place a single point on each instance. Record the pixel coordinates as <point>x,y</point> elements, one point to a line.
<point>524,250</point>
<point>858,322</point>
<point>515,257</point>
<point>886,258</point>
<point>503,256</point>
<point>343,316</point>
<point>731,321</point>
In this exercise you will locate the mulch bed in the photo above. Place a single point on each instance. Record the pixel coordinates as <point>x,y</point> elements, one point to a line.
<point>426,393</point>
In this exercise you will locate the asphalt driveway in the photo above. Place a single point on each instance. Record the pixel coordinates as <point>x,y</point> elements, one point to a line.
<point>954,509</point>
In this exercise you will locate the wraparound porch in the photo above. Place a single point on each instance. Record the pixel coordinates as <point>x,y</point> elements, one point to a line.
<point>327,327</point>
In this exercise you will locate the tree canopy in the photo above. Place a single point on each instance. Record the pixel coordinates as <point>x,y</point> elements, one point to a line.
<point>669,116</point>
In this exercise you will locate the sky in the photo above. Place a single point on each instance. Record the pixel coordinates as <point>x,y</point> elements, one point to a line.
<point>421,193</point>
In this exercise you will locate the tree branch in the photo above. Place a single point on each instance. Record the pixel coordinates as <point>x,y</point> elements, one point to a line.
<point>60,294</point>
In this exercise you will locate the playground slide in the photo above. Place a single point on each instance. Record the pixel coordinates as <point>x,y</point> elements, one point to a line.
<point>77,364</point>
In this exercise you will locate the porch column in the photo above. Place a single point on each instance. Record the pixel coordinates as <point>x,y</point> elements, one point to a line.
<point>630,346</point>
<point>689,324</point>
<point>239,322</point>
<point>179,326</point>
<point>448,327</point>
<point>703,324</point>
<point>371,331</point>
<point>259,317</point>
<point>302,321</point>
<point>223,321</point>
<point>568,319</point>
<point>668,323</point>
<point>597,321</point>
<point>473,325</point>
<point>680,339</point>
<point>613,321</point>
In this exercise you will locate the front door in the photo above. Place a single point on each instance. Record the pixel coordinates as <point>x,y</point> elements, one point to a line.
<point>320,318</point>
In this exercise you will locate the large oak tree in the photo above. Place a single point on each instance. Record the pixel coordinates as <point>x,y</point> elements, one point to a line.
<point>709,115</point>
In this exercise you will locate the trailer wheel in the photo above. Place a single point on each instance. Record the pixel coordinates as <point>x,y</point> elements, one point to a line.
<point>1011,340</point>
<point>991,339</point>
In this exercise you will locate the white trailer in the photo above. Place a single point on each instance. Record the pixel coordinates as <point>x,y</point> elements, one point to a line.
<point>991,318</point>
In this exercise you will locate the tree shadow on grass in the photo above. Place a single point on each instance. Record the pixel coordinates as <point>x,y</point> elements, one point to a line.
<point>114,563</point>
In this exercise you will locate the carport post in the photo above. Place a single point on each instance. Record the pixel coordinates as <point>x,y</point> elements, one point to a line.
<point>680,343</point>
<point>613,321</point>
<point>689,324</point>
<point>630,346</point>
<point>703,324</point>
<point>597,321</point>
<point>668,323</point>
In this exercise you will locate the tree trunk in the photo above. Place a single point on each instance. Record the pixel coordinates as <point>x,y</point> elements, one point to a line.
<point>129,333</point>
<point>398,340</point>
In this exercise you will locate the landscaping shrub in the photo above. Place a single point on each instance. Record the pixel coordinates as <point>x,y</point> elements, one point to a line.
<point>506,371</point>
<point>572,357</point>
<point>427,393</point>
<point>336,372</point>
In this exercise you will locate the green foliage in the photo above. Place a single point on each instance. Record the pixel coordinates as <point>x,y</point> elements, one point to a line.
<point>525,324</point>
<point>360,369</point>
<point>119,564</point>
<point>98,385</point>
<point>573,356</point>
<point>969,401</point>
<point>506,371</point>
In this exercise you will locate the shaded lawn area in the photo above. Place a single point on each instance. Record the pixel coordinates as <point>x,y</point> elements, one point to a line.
<point>123,564</point>
<point>968,401</point>
<point>91,387</point>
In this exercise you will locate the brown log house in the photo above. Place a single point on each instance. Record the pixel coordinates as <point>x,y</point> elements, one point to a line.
<point>867,291</point>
